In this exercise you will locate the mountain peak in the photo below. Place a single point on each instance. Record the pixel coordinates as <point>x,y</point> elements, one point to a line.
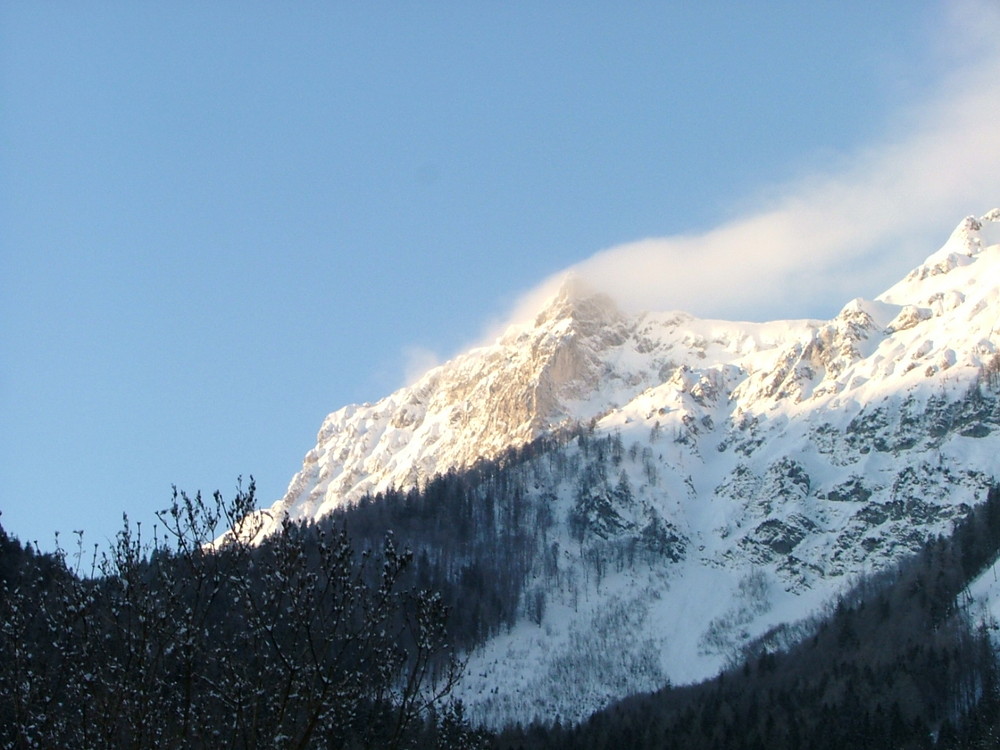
<point>973,235</point>
<point>950,268</point>
<point>577,300</point>
<point>965,238</point>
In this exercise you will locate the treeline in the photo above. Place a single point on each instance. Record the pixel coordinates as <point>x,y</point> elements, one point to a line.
<point>490,538</point>
<point>896,664</point>
<point>479,536</point>
<point>303,641</point>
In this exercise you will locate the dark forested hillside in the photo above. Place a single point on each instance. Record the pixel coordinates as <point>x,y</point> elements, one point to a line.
<point>476,538</point>
<point>343,634</point>
<point>896,664</point>
<point>302,641</point>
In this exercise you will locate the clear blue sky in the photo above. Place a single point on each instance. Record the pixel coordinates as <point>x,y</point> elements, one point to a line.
<point>221,221</point>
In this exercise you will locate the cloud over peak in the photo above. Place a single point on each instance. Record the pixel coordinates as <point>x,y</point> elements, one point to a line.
<point>854,230</point>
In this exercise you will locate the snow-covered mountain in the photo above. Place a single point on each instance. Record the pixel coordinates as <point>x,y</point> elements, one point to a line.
<point>774,462</point>
<point>578,360</point>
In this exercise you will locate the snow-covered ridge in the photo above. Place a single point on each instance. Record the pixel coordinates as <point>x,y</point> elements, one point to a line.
<point>582,358</point>
<point>579,359</point>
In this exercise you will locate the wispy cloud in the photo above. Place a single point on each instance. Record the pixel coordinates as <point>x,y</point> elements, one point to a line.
<point>417,360</point>
<point>829,237</point>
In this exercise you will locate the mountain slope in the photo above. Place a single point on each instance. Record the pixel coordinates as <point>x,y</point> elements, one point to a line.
<point>765,463</point>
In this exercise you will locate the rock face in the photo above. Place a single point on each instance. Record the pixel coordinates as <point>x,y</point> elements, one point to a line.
<point>534,378</point>
<point>764,463</point>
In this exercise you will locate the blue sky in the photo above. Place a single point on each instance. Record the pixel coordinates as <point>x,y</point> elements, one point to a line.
<point>221,221</point>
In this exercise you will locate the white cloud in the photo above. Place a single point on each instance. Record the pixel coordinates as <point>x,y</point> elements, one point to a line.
<point>830,237</point>
<point>417,360</point>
